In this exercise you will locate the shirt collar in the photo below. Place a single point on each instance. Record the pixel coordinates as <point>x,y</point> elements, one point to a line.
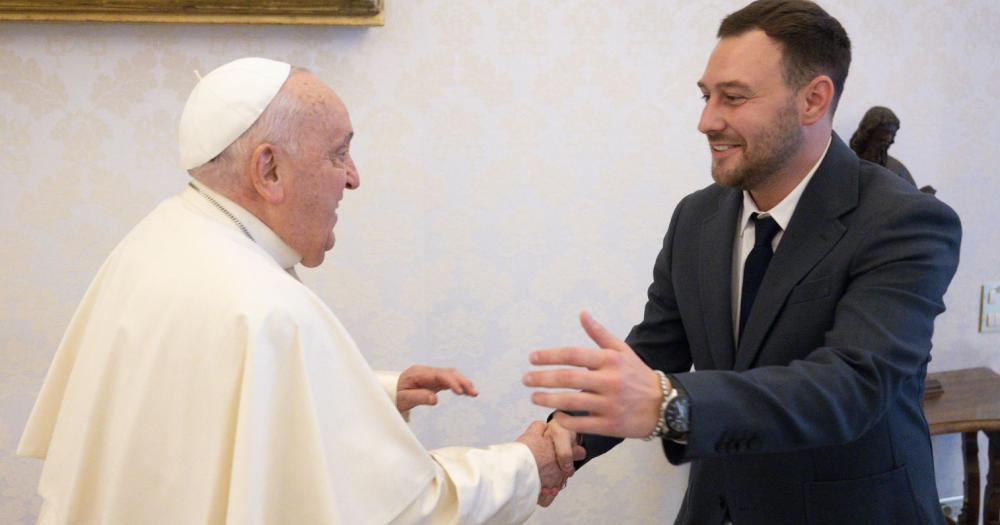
<point>782,212</point>
<point>263,235</point>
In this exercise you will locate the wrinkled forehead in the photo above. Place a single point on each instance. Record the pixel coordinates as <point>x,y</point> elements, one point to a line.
<point>322,111</point>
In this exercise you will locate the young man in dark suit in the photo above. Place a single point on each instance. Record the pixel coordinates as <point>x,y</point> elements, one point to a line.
<point>801,287</point>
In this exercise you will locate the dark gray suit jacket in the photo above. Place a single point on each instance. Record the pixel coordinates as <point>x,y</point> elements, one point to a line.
<point>816,418</point>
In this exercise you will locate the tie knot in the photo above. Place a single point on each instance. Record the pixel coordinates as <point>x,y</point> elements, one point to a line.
<point>765,229</point>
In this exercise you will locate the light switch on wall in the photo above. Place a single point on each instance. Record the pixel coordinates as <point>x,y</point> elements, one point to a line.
<point>989,308</point>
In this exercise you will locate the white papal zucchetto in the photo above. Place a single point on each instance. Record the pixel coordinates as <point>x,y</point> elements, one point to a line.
<point>224,104</point>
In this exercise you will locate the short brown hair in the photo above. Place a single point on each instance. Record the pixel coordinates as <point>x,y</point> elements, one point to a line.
<point>812,41</point>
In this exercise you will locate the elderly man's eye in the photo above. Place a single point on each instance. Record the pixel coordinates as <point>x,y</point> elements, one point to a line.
<point>339,160</point>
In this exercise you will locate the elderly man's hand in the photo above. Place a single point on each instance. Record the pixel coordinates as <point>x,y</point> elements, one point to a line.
<point>564,443</point>
<point>552,478</point>
<point>621,394</point>
<point>419,385</point>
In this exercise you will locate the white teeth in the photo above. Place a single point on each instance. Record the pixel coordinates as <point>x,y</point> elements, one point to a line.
<point>721,148</point>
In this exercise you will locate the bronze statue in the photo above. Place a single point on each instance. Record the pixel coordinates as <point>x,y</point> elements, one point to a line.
<point>871,141</point>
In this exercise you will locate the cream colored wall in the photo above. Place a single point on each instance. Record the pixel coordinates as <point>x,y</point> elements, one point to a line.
<point>519,162</point>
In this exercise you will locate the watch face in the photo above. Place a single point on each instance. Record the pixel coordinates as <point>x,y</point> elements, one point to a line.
<point>677,415</point>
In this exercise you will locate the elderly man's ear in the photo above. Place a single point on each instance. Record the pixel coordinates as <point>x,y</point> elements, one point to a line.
<point>264,174</point>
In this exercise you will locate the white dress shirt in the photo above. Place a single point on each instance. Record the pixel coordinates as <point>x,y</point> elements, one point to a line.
<point>746,234</point>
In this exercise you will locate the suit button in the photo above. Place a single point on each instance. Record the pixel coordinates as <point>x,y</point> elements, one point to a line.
<point>722,501</point>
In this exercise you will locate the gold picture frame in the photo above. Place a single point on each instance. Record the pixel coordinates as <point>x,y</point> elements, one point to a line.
<point>307,12</point>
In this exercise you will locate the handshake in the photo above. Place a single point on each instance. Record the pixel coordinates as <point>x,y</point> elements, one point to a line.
<point>553,446</point>
<point>621,395</point>
<point>555,449</point>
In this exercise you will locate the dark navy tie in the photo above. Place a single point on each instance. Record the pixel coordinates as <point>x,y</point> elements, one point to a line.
<point>756,264</point>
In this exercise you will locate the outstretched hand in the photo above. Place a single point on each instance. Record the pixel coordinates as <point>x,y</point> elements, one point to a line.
<point>621,395</point>
<point>419,385</point>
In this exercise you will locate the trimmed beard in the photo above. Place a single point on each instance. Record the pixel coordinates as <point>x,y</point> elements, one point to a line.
<point>774,147</point>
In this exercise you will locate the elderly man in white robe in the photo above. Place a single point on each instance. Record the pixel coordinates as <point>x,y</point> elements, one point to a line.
<point>200,382</point>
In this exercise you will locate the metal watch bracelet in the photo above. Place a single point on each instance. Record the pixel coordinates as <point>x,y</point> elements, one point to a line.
<point>669,393</point>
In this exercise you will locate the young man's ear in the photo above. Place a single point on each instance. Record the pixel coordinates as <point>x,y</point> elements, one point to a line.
<point>264,174</point>
<point>817,99</point>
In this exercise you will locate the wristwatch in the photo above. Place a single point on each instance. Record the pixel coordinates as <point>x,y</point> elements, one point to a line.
<point>677,415</point>
<point>674,411</point>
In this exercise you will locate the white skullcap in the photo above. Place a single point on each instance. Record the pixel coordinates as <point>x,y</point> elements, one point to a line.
<point>224,104</point>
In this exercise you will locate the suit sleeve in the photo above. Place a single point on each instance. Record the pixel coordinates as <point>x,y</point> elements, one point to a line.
<point>880,338</point>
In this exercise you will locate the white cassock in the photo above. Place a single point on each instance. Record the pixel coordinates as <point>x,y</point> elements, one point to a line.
<point>200,382</point>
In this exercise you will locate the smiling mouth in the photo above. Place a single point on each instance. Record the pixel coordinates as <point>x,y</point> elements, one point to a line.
<point>724,150</point>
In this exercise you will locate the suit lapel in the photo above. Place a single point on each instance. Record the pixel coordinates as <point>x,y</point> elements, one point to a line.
<point>715,275</point>
<point>814,229</point>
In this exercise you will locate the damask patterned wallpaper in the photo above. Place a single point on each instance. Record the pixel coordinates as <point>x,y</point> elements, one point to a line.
<point>519,161</point>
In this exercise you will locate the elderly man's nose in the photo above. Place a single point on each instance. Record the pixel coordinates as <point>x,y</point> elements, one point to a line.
<point>353,177</point>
